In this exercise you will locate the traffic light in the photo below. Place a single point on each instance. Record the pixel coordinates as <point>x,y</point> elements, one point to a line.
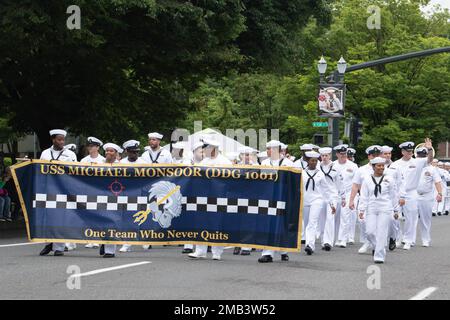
<point>357,131</point>
<point>319,139</point>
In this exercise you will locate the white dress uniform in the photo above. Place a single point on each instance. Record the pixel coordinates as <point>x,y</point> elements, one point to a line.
<point>394,227</point>
<point>316,190</point>
<point>378,202</point>
<point>66,155</point>
<point>161,156</point>
<point>89,159</point>
<point>358,178</point>
<point>139,160</point>
<point>327,220</point>
<point>201,250</point>
<point>410,171</point>
<point>445,176</point>
<point>283,162</point>
<point>347,171</point>
<point>428,177</point>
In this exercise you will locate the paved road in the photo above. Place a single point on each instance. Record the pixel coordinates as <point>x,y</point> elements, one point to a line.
<point>339,274</point>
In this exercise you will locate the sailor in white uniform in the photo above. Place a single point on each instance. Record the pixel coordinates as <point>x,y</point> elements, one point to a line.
<point>316,191</point>
<point>445,176</point>
<point>446,196</point>
<point>378,203</point>
<point>429,179</point>
<point>335,181</point>
<point>411,169</point>
<point>156,154</point>
<point>111,154</point>
<point>347,170</point>
<point>351,154</point>
<point>211,157</point>
<point>57,152</point>
<point>132,149</point>
<point>372,152</point>
<point>275,160</point>
<point>303,161</point>
<point>197,157</point>
<point>178,152</point>
<point>94,156</point>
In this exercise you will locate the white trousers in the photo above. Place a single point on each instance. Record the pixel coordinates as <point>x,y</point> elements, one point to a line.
<point>110,248</point>
<point>411,213</point>
<point>58,246</point>
<point>313,210</point>
<point>305,223</point>
<point>424,205</point>
<point>377,226</point>
<point>330,225</point>
<point>271,253</point>
<point>347,222</point>
<point>203,250</point>
<point>188,246</point>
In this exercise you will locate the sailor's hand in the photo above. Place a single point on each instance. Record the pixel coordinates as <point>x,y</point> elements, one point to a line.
<point>361,215</point>
<point>401,202</point>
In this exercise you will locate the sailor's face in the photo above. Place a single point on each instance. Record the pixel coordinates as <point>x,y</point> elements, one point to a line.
<point>59,141</point>
<point>154,143</point>
<point>325,157</point>
<point>198,154</point>
<point>111,155</point>
<point>273,153</point>
<point>93,148</point>
<point>407,153</point>
<point>387,155</point>
<point>132,155</point>
<point>378,169</point>
<point>342,156</point>
<point>246,158</point>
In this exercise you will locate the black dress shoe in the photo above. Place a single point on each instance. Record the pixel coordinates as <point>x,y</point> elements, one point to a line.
<point>378,262</point>
<point>187,251</point>
<point>392,244</point>
<point>109,255</point>
<point>58,253</point>
<point>434,214</point>
<point>236,251</point>
<point>326,247</point>
<point>303,242</point>
<point>102,249</point>
<point>284,257</point>
<point>66,249</point>
<point>439,214</point>
<point>373,253</point>
<point>265,259</point>
<point>309,251</point>
<point>47,249</point>
<point>209,249</point>
<point>446,213</point>
<point>245,253</point>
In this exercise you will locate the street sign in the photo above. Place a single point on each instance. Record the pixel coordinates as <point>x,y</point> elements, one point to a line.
<point>320,124</point>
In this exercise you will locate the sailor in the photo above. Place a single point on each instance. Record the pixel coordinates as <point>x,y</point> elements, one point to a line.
<point>394,234</point>
<point>178,152</point>
<point>411,169</point>
<point>93,147</point>
<point>445,176</point>
<point>351,154</point>
<point>429,179</point>
<point>132,149</point>
<point>303,161</point>
<point>447,195</point>
<point>72,147</point>
<point>156,154</point>
<point>57,152</point>
<point>378,202</point>
<point>211,157</point>
<point>327,219</point>
<point>197,157</point>
<point>262,156</point>
<point>372,152</point>
<point>111,152</point>
<point>246,157</point>
<point>316,191</point>
<point>347,170</point>
<point>274,160</point>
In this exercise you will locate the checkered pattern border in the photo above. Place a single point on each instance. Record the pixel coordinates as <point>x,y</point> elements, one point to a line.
<point>129,203</point>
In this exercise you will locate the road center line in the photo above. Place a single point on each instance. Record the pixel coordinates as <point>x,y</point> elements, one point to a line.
<point>19,244</point>
<point>90,273</point>
<point>424,293</point>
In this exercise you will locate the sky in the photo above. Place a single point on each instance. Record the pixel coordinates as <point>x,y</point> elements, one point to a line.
<point>443,3</point>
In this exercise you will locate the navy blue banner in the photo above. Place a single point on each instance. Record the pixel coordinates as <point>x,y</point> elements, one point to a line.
<point>248,206</point>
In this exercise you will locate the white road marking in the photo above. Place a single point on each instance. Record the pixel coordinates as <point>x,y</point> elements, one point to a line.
<point>19,244</point>
<point>424,293</point>
<point>90,273</point>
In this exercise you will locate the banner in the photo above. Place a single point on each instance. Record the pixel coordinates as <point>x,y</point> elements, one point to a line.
<point>251,206</point>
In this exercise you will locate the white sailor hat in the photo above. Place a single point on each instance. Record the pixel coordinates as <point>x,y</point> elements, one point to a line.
<point>446,164</point>
<point>373,149</point>
<point>315,147</point>
<point>351,151</point>
<point>378,160</point>
<point>71,147</point>
<point>342,148</point>
<point>179,145</point>
<point>283,146</point>
<point>422,151</point>
<point>210,142</point>
<point>407,145</point>
<point>94,141</point>
<point>131,145</point>
<point>197,145</point>
<point>306,146</point>
<point>440,163</point>
<point>435,161</point>
<point>112,146</point>
<point>312,154</point>
<point>325,150</point>
<point>386,149</point>
<point>246,150</point>
<point>262,154</point>
<point>56,132</point>
<point>273,144</point>
<point>155,135</point>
